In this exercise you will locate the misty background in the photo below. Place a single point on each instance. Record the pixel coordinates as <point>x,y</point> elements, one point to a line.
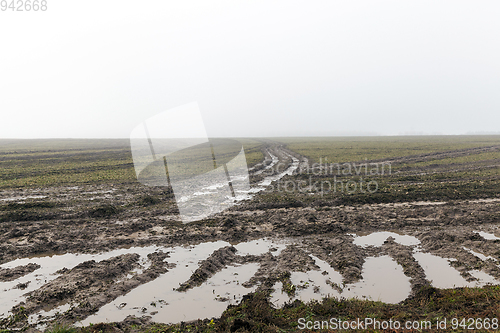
<point>96,69</point>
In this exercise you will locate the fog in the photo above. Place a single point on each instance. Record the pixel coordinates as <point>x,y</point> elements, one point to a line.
<point>96,69</point>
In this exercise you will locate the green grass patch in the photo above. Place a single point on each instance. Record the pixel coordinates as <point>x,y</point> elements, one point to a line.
<point>353,149</point>
<point>39,163</point>
<point>61,329</point>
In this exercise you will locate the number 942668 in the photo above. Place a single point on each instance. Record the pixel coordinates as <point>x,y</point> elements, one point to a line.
<point>23,5</point>
<point>475,323</point>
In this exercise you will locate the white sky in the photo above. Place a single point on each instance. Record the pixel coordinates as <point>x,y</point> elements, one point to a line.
<point>256,68</point>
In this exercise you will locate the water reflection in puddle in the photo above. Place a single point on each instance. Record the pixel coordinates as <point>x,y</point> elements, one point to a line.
<point>314,285</point>
<point>169,306</point>
<point>479,255</point>
<point>483,278</point>
<point>269,179</point>
<point>378,239</point>
<point>43,316</point>
<point>260,246</point>
<point>291,169</point>
<point>244,193</point>
<point>274,160</point>
<point>279,297</point>
<point>157,298</point>
<point>442,275</point>
<point>160,300</point>
<point>383,280</point>
<point>487,236</point>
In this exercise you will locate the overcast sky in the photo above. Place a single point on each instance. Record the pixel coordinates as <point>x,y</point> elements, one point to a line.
<point>96,69</point>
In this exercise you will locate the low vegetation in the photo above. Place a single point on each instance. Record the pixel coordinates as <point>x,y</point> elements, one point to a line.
<point>43,163</point>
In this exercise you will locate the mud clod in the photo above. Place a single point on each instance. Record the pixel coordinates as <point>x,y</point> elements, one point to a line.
<point>216,262</point>
<point>10,274</point>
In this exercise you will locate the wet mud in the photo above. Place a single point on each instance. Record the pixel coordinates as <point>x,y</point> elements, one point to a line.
<point>92,219</point>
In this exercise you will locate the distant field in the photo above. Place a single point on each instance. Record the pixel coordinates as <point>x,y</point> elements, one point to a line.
<point>439,168</point>
<point>31,163</point>
<point>353,149</point>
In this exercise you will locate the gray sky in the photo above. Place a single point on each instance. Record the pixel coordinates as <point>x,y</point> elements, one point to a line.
<point>256,68</point>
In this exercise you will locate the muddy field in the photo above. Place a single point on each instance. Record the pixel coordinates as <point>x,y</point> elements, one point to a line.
<point>437,217</point>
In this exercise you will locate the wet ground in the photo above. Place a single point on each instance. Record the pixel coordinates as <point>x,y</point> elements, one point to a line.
<point>183,283</point>
<point>104,252</point>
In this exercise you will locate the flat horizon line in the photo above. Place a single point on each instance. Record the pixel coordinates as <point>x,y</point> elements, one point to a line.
<point>273,137</point>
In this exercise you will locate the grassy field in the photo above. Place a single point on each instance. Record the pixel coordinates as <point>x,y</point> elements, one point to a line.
<point>354,149</point>
<point>26,163</point>
<point>36,163</point>
<point>421,168</point>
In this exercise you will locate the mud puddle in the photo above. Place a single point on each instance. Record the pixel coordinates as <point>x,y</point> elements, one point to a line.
<point>43,317</point>
<point>234,270</point>
<point>160,293</point>
<point>487,236</point>
<point>247,195</point>
<point>260,246</point>
<point>437,269</point>
<point>274,161</point>
<point>291,169</point>
<point>314,285</point>
<point>164,304</point>
<point>160,299</point>
<point>441,275</point>
<point>383,280</point>
<point>378,238</point>
<point>13,292</point>
<point>210,196</point>
<point>479,255</point>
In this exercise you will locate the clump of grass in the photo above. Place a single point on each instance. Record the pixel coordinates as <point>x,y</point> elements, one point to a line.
<point>289,288</point>
<point>105,210</point>
<point>148,200</point>
<point>102,328</point>
<point>61,329</point>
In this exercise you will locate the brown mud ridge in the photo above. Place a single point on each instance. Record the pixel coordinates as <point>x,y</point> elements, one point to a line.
<point>97,218</point>
<point>11,274</point>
